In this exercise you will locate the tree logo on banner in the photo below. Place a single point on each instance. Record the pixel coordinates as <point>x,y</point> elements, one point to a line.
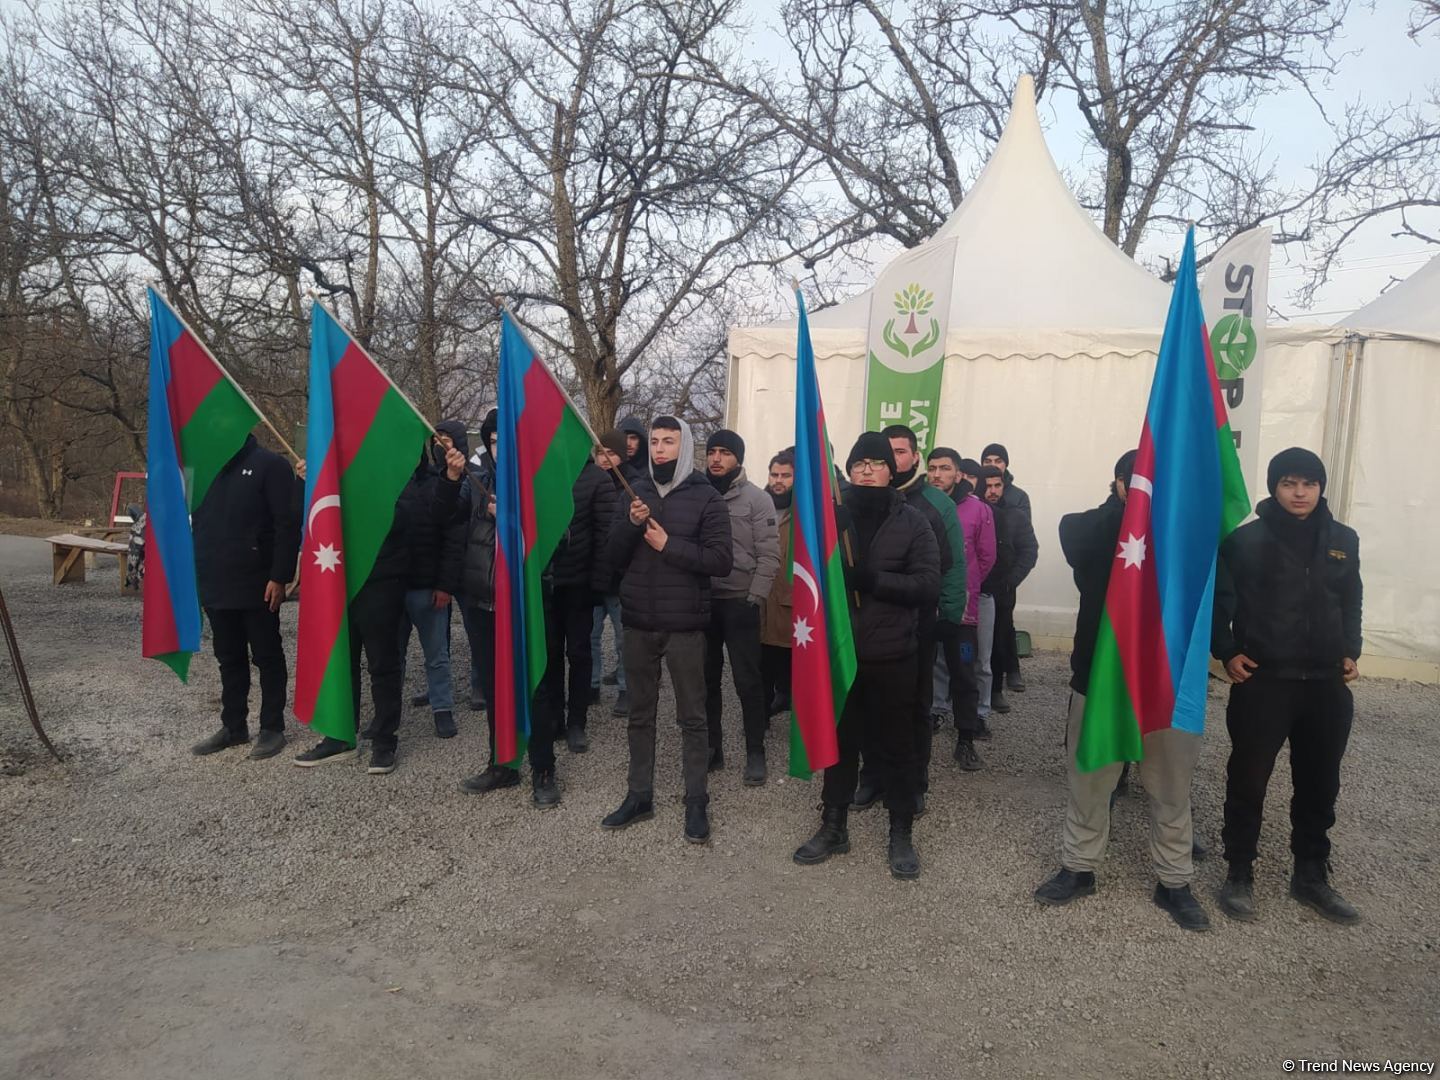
<point>1235,345</point>
<point>916,303</point>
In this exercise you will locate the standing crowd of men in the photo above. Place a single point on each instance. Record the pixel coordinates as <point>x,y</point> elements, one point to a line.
<point>689,566</point>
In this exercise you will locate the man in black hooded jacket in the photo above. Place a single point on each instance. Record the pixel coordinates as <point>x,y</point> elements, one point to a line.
<point>1287,628</point>
<point>247,536</point>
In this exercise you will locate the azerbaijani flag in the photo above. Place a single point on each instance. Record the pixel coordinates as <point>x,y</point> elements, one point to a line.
<point>1187,494</point>
<point>823,645</point>
<point>198,421</point>
<point>543,444</point>
<point>363,440</point>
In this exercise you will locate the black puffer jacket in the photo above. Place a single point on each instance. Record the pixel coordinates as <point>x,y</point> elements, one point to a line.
<point>670,590</point>
<point>579,559</point>
<point>422,550</point>
<point>1089,541</point>
<point>1016,549</point>
<point>611,504</point>
<point>898,577</point>
<point>247,531</point>
<point>468,499</point>
<point>1297,618</point>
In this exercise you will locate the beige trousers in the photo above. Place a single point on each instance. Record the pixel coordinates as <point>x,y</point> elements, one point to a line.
<point>1169,762</point>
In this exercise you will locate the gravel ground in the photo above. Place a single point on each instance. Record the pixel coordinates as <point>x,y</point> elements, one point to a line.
<point>166,916</point>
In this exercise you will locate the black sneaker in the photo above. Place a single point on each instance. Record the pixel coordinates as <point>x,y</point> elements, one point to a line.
<point>983,732</point>
<point>997,701</point>
<point>1016,682</point>
<point>697,824</point>
<point>966,757</point>
<point>268,745</point>
<point>634,808</point>
<point>754,774</point>
<point>1064,886</point>
<point>381,762</point>
<point>622,704</point>
<point>445,725</point>
<point>543,792</point>
<point>223,739</point>
<point>867,794</point>
<point>492,779</point>
<point>324,752</point>
<point>1311,886</point>
<point>1237,895</point>
<point>1180,904</point>
<point>577,740</point>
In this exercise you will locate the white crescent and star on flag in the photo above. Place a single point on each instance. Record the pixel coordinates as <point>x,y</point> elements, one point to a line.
<point>327,556</point>
<point>1132,548</point>
<point>804,633</point>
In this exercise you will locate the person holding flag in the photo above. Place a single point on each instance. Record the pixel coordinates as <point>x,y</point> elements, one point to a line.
<point>894,579</point>
<point>1144,698</point>
<point>671,540</point>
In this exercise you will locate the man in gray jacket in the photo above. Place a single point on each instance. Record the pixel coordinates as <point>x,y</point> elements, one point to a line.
<point>738,601</point>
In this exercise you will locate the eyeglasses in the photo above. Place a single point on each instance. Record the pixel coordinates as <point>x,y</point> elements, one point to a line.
<point>869,465</point>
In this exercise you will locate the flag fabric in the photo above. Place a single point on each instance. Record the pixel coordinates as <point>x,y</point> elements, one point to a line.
<point>822,641</point>
<point>543,443</point>
<point>198,420</point>
<point>1187,493</point>
<point>363,440</point>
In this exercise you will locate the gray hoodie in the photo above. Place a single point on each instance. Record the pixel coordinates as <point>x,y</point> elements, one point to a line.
<point>684,464</point>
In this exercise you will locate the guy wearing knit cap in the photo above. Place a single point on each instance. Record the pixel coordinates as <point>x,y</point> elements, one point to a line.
<point>1089,541</point>
<point>1287,628</point>
<point>738,600</point>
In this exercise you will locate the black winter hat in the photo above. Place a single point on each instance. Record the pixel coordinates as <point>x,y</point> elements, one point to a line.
<point>875,447</point>
<point>488,427</point>
<point>614,441</point>
<point>970,467</point>
<point>1125,466</point>
<point>458,435</point>
<point>1297,461</point>
<point>726,439</point>
<point>998,450</point>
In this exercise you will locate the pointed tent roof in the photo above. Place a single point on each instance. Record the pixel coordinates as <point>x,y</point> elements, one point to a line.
<point>1411,307</point>
<point>1027,255</point>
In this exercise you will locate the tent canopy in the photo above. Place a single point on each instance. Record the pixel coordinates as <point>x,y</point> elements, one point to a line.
<point>1412,307</point>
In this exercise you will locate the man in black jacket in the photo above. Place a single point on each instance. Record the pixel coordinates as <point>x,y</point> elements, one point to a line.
<point>610,456</point>
<point>674,537</point>
<point>1090,541</point>
<point>1287,628</point>
<point>436,549</point>
<point>636,466</point>
<point>247,537</point>
<point>1013,498</point>
<point>897,578</point>
<point>578,579</point>
<point>1016,552</point>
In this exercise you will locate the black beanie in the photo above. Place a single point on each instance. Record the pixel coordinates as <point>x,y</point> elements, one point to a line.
<point>997,450</point>
<point>488,427</point>
<point>1125,466</point>
<point>970,467</point>
<point>1297,461</point>
<point>875,447</point>
<point>726,439</point>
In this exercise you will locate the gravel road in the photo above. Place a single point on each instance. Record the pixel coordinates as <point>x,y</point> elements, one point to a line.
<point>166,916</point>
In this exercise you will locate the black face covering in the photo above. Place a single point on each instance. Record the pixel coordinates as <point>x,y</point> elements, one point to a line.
<point>663,474</point>
<point>722,482</point>
<point>963,490</point>
<point>868,507</point>
<point>900,479</point>
<point>782,502</point>
<point>1299,535</point>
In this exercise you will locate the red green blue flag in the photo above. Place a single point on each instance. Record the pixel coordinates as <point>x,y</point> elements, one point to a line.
<point>543,443</point>
<point>1187,494</point>
<point>823,644</point>
<point>198,421</point>
<point>363,438</point>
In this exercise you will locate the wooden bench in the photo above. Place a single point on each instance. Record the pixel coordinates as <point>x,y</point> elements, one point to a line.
<point>69,551</point>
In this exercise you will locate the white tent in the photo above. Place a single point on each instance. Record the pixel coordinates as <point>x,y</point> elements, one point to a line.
<point>1050,350</point>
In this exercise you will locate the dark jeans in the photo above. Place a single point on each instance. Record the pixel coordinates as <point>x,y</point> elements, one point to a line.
<point>684,655</point>
<point>879,714</point>
<point>480,631</point>
<point>375,616</point>
<point>568,620</point>
<point>1314,715</point>
<point>735,628</point>
<point>774,672</point>
<point>1004,656</point>
<point>240,636</point>
<point>960,658</point>
<point>923,696</point>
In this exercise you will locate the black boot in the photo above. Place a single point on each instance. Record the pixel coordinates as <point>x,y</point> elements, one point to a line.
<point>965,755</point>
<point>634,808</point>
<point>1237,895</point>
<point>445,724</point>
<point>832,838</point>
<point>867,794</point>
<point>492,779</point>
<point>1065,886</point>
<point>904,862</point>
<point>1311,886</point>
<point>221,740</point>
<point>697,825</point>
<point>717,760</point>
<point>997,700</point>
<point>544,794</point>
<point>1180,904</point>
<point>754,774</point>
